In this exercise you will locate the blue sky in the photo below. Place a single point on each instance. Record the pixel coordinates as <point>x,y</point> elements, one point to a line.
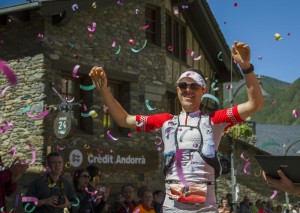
<point>255,22</point>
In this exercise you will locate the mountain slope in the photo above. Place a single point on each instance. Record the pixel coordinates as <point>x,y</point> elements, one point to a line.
<point>282,100</point>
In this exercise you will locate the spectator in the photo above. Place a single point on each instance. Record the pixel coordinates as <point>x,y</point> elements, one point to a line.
<point>244,205</point>
<point>262,208</point>
<point>88,199</point>
<point>125,202</point>
<point>257,205</point>
<point>146,203</point>
<point>8,179</point>
<point>53,191</point>
<point>278,209</point>
<point>224,207</point>
<point>158,199</point>
<point>269,207</point>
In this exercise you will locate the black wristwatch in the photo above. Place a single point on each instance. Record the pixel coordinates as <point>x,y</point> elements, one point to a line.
<point>249,70</point>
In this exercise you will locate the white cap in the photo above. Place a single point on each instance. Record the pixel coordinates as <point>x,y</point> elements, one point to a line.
<point>193,75</point>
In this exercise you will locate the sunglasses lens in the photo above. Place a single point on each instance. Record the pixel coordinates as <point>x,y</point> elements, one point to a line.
<point>184,85</point>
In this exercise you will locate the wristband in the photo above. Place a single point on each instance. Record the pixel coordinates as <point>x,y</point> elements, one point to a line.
<point>249,70</point>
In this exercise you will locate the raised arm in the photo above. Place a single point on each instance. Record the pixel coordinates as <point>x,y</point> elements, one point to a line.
<point>241,55</point>
<point>118,113</point>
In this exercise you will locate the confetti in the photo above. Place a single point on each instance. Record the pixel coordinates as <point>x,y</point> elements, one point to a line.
<point>259,58</point>
<point>6,70</point>
<point>87,88</point>
<point>75,7</point>
<point>243,157</point>
<point>137,11</point>
<point>138,50</point>
<point>74,72</point>
<point>211,97</point>
<point>228,86</point>
<point>148,105</point>
<point>295,113</point>
<point>94,5</point>
<point>245,168</point>
<point>93,114</point>
<point>139,124</point>
<point>213,85</point>
<point>92,28</point>
<point>111,137</point>
<point>198,58</point>
<point>118,51</point>
<point>131,41</point>
<point>178,160</point>
<point>159,142</point>
<point>170,48</point>
<point>277,37</point>
<point>273,195</point>
<point>40,35</point>
<point>3,92</point>
<point>235,4</point>
<point>39,116</point>
<point>219,56</point>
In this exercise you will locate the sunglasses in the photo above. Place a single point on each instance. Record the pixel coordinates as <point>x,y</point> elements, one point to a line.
<point>184,85</point>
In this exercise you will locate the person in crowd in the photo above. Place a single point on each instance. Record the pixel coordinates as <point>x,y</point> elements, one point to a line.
<point>8,179</point>
<point>278,209</point>
<point>158,199</point>
<point>263,207</point>
<point>191,133</point>
<point>257,205</point>
<point>52,191</point>
<point>94,185</point>
<point>269,207</point>
<point>125,202</point>
<point>244,205</point>
<point>146,203</point>
<point>90,200</point>
<point>284,183</point>
<point>224,206</point>
<point>140,192</point>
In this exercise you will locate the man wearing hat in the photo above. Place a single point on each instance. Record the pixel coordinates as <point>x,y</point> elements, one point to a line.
<point>191,138</point>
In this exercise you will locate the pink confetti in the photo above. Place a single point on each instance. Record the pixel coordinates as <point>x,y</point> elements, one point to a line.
<point>6,70</point>
<point>198,58</point>
<point>93,28</point>
<point>178,160</point>
<point>245,168</point>
<point>273,195</point>
<point>30,199</point>
<point>131,41</point>
<point>6,126</point>
<point>110,136</point>
<point>243,157</point>
<point>33,154</point>
<point>13,151</point>
<point>159,148</point>
<point>235,4</point>
<point>170,48</point>
<point>40,35</point>
<point>145,27</point>
<point>114,43</point>
<point>228,87</point>
<point>60,148</point>
<point>74,72</point>
<point>2,94</point>
<point>130,134</point>
<point>90,192</point>
<point>295,113</point>
<point>39,116</point>
<point>259,58</point>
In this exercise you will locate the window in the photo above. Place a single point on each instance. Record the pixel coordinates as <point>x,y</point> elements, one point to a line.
<point>153,20</point>
<point>120,91</point>
<point>176,37</point>
<point>71,90</point>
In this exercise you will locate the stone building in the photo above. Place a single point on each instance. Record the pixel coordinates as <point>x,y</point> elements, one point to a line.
<point>142,45</point>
